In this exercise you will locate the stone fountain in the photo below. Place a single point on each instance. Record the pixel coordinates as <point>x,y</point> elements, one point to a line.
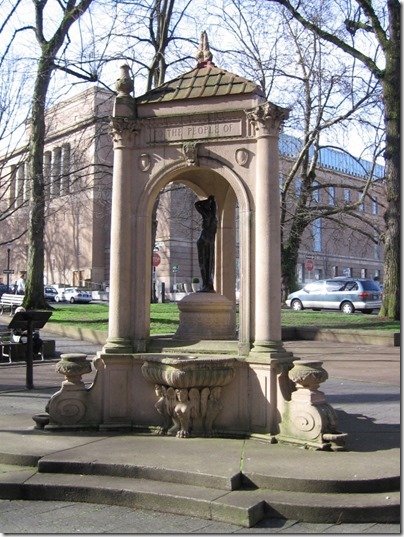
<point>216,133</point>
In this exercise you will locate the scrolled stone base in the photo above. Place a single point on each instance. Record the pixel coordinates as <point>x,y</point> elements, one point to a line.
<point>307,418</point>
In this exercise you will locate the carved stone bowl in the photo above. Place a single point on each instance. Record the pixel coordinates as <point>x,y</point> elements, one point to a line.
<point>185,371</point>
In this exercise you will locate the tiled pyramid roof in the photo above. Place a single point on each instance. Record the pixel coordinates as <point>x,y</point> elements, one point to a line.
<point>206,80</point>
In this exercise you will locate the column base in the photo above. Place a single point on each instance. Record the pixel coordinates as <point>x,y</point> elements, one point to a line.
<point>268,351</point>
<point>118,345</point>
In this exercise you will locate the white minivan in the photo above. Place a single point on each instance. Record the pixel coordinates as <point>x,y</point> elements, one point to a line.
<point>345,294</point>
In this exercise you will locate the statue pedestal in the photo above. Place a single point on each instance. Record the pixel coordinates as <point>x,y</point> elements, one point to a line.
<point>205,316</point>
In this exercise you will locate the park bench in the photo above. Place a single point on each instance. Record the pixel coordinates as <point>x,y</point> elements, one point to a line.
<point>14,348</point>
<point>8,340</point>
<point>10,301</point>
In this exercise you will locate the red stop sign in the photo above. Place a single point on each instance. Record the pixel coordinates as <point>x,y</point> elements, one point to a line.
<point>156,260</point>
<point>309,264</point>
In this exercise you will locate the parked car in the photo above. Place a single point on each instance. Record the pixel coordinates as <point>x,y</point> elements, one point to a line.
<point>60,297</point>
<point>3,289</point>
<point>50,293</point>
<point>74,294</point>
<point>345,294</point>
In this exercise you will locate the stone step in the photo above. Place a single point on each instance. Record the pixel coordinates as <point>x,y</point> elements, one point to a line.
<point>153,473</point>
<point>223,481</point>
<point>243,507</point>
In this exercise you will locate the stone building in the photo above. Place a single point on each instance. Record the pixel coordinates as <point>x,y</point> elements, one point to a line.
<point>78,178</point>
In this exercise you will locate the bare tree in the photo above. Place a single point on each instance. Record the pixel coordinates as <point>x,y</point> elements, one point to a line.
<point>325,93</point>
<point>157,38</point>
<point>51,51</point>
<point>370,33</point>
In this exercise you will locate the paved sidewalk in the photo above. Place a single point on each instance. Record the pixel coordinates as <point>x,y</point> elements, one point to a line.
<point>363,387</point>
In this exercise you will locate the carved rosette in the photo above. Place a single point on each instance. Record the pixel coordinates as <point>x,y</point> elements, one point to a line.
<point>267,118</point>
<point>123,131</point>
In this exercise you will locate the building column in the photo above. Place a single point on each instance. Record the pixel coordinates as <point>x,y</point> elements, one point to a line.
<point>267,120</point>
<point>123,132</point>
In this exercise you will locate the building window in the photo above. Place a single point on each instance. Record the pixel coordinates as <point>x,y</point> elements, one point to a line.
<point>347,272</point>
<point>361,205</point>
<point>65,175</point>
<point>298,186</point>
<point>317,238</point>
<point>347,195</point>
<point>316,192</point>
<point>300,272</point>
<point>56,172</point>
<point>334,271</point>
<point>47,168</point>
<point>331,195</point>
<point>11,191</point>
<point>374,205</point>
<point>376,245</point>
<point>364,273</point>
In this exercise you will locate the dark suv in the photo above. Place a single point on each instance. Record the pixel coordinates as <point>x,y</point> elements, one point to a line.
<point>345,294</point>
<point>3,289</point>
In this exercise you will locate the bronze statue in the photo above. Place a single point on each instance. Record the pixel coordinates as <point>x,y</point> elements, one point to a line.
<point>206,242</point>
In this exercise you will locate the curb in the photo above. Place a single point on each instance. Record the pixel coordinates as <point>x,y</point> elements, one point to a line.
<point>366,337</point>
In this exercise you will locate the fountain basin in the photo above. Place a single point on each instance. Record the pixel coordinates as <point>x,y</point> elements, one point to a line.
<point>187,371</point>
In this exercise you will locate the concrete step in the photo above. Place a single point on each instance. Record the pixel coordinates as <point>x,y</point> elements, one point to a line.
<point>152,473</point>
<point>245,479</point>
<point>244,506</point>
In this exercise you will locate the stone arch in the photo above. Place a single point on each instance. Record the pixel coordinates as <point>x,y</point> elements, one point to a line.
<point>176,172</point>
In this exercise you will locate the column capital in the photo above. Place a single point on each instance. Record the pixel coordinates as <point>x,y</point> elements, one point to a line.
<point>267,119</point>
<point>123,131</point>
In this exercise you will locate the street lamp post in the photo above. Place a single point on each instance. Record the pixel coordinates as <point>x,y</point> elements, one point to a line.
<point>8,264</point>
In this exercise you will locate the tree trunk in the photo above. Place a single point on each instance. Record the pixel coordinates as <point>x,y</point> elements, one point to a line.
<point>392,96</point>
<point>34,295</point>
<point>289,256</point>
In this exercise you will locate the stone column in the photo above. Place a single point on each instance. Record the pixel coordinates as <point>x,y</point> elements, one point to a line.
<point>123,131</point>
<point>267,120</point>
<point>120,303</point>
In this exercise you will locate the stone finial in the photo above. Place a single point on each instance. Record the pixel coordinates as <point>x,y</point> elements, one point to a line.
<point>204,55</point>
<point>124,83</point>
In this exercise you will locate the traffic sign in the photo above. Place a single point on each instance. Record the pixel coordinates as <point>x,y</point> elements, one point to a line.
<point>156,259</point>
<point>8,271</point>
<point>309,265</point>
<point>175,268</point>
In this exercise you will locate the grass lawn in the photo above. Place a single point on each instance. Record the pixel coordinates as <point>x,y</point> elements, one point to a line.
<point>164,318</point>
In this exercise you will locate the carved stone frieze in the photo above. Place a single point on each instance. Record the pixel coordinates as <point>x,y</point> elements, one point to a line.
<point>180,407</point>
<point>188,390</point>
